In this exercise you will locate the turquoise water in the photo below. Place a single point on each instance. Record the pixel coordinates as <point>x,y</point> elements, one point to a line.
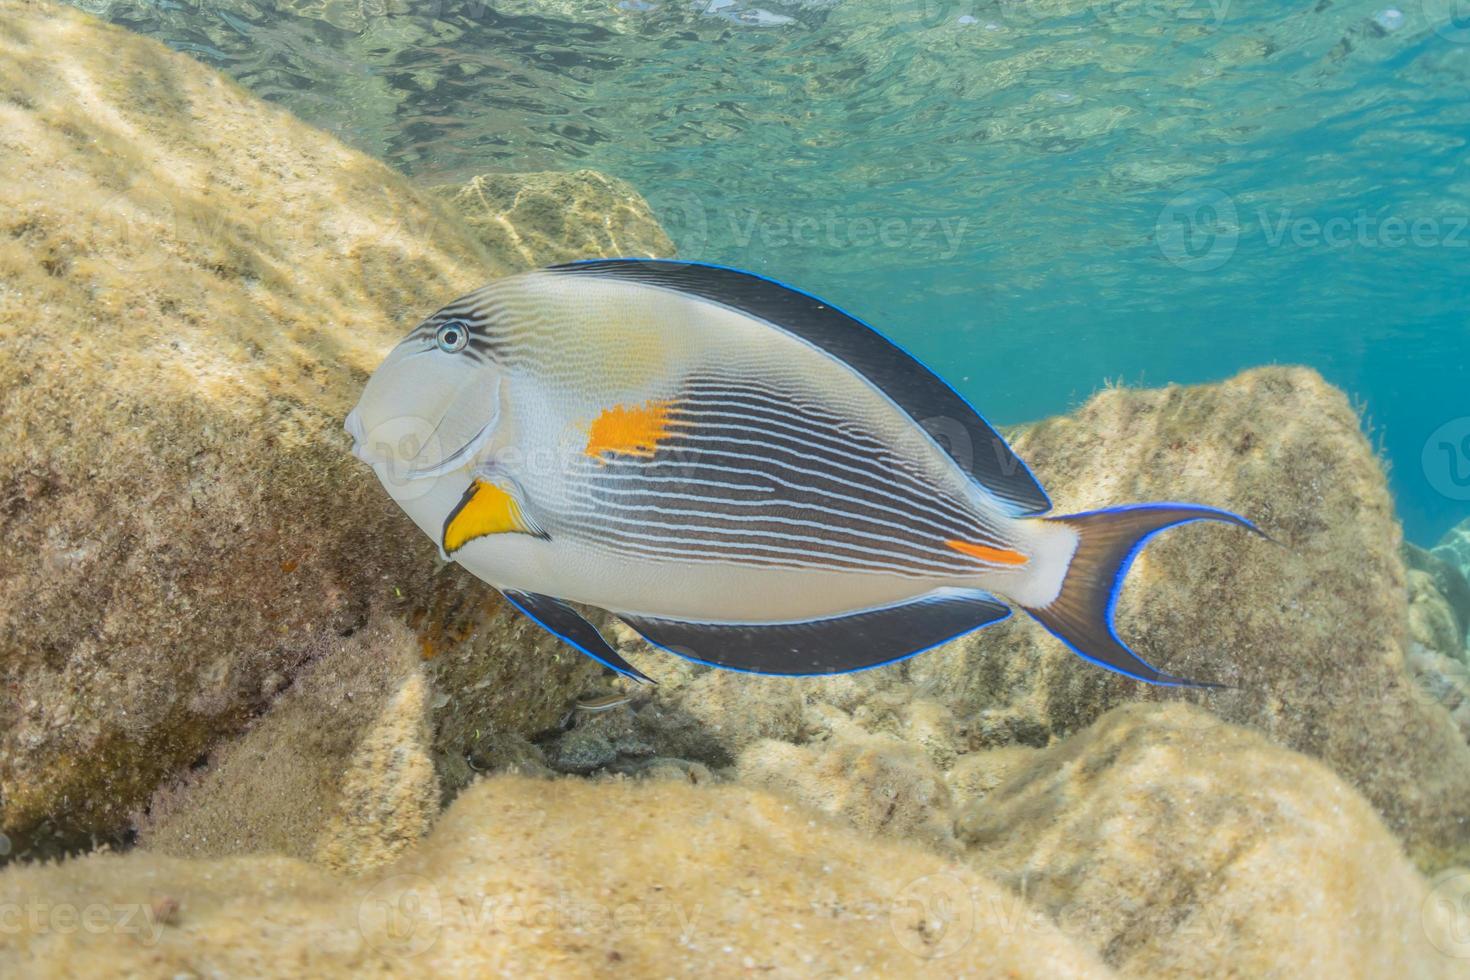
<point>1033,197</point>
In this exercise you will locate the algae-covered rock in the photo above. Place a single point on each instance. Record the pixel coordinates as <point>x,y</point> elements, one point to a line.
<point>1443,680</point>
<point>338,769</point>
<point>556,217</point>
<point>880,785</point>
<point>390,795</point>
<point>1310,632</point>
<point>193,288</point>
<point>1448,578</point>
<point>526,877</point>
<point>976,774</point>
<point>1454,547</point>
<point>739,709</point>
<point>1432,622</point>
<point>1180,846</point>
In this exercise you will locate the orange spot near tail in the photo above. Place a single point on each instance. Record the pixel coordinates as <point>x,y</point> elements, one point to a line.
<point>996,556</point>
<point>634,430</point>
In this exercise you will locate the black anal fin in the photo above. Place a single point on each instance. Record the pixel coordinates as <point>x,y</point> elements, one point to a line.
<point>837,645</point>
<point>564,622</point>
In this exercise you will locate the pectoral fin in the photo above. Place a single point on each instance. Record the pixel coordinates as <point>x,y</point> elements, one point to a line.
<point>561,620</point>
<point>487,507</point>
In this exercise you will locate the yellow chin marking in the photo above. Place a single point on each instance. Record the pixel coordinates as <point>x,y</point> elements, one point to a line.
<point>484,509</point>
<point>631,430</point>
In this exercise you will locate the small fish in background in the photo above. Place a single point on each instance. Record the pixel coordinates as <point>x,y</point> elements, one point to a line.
<point>599,704</point>
<point>743,473</point>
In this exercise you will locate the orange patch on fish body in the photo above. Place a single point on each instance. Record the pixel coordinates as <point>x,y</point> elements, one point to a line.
<point>995,556</point>
<point>631,430</point>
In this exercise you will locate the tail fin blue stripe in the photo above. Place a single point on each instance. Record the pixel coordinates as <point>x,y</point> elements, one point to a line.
<point>1109,541</point>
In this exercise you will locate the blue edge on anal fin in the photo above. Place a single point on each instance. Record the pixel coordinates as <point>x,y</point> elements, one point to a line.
<point>836,645</point>
<point>565,623</point>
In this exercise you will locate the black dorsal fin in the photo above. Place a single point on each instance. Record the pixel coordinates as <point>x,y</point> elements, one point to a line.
<point>856,641</point>
<point>950,421</point>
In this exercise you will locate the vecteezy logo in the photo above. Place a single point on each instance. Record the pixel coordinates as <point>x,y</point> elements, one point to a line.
<point>1451,19</point>
<point>1446,459</point>
<point>398,449</point>
<point>1198,231</point>
<point>1445,915</point>
<point>934,916</point>
<point>401,915</point>
<point>683,216</point>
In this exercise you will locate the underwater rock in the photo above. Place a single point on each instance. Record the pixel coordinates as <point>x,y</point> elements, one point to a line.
<point>508,753</point>
<point>1454,547</point>
<point>1311,632</point>
<point>1432,623</point>
<point>1449,577</point>
<point>1444,681</point>
<point>528,877</point>
<point>1178,845</point>
<point>721,716</point>
<point>678,770</point>
<point>974,775</point>
<point>195,287</point>
<point>932,727</point>
<point>584,750</point>
<point>558,217</point>
<point>390,795</point>
<point>880,785</point>
<point>338,770</point>
<point>738,709</point>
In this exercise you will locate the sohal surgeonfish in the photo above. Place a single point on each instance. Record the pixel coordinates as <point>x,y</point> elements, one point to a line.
<point>743,473</point>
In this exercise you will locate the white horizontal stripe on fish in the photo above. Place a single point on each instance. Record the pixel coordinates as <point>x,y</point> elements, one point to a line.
<point>701,391</point>
<point>721,408</point>
<point>751,559</point>
<point>907,513</point>
<point>669,548</point>
<point>687,481</point>
<point>807,544</point>
<point>914,542</point>
<point>897,476</point>
<point>877,486</point>
<point>820,424</point>
<point>907,534</point>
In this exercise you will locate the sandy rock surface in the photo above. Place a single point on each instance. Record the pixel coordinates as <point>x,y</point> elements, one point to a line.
<point>193,288</point>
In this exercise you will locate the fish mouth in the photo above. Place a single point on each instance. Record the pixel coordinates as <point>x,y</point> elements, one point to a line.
<point>425,459</point>
<point>457,458</point>
<point>453,461</point>
<point>464,453</point>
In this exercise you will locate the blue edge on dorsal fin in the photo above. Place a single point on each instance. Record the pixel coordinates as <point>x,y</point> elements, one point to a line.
<point>918,392</point>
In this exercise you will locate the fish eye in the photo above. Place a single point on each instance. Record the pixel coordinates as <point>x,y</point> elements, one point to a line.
<point>452,336</point>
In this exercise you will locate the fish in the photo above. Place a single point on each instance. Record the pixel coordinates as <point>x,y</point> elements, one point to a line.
<point>597,705</point>
<point>606,702</point>
<point>746,475</point>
